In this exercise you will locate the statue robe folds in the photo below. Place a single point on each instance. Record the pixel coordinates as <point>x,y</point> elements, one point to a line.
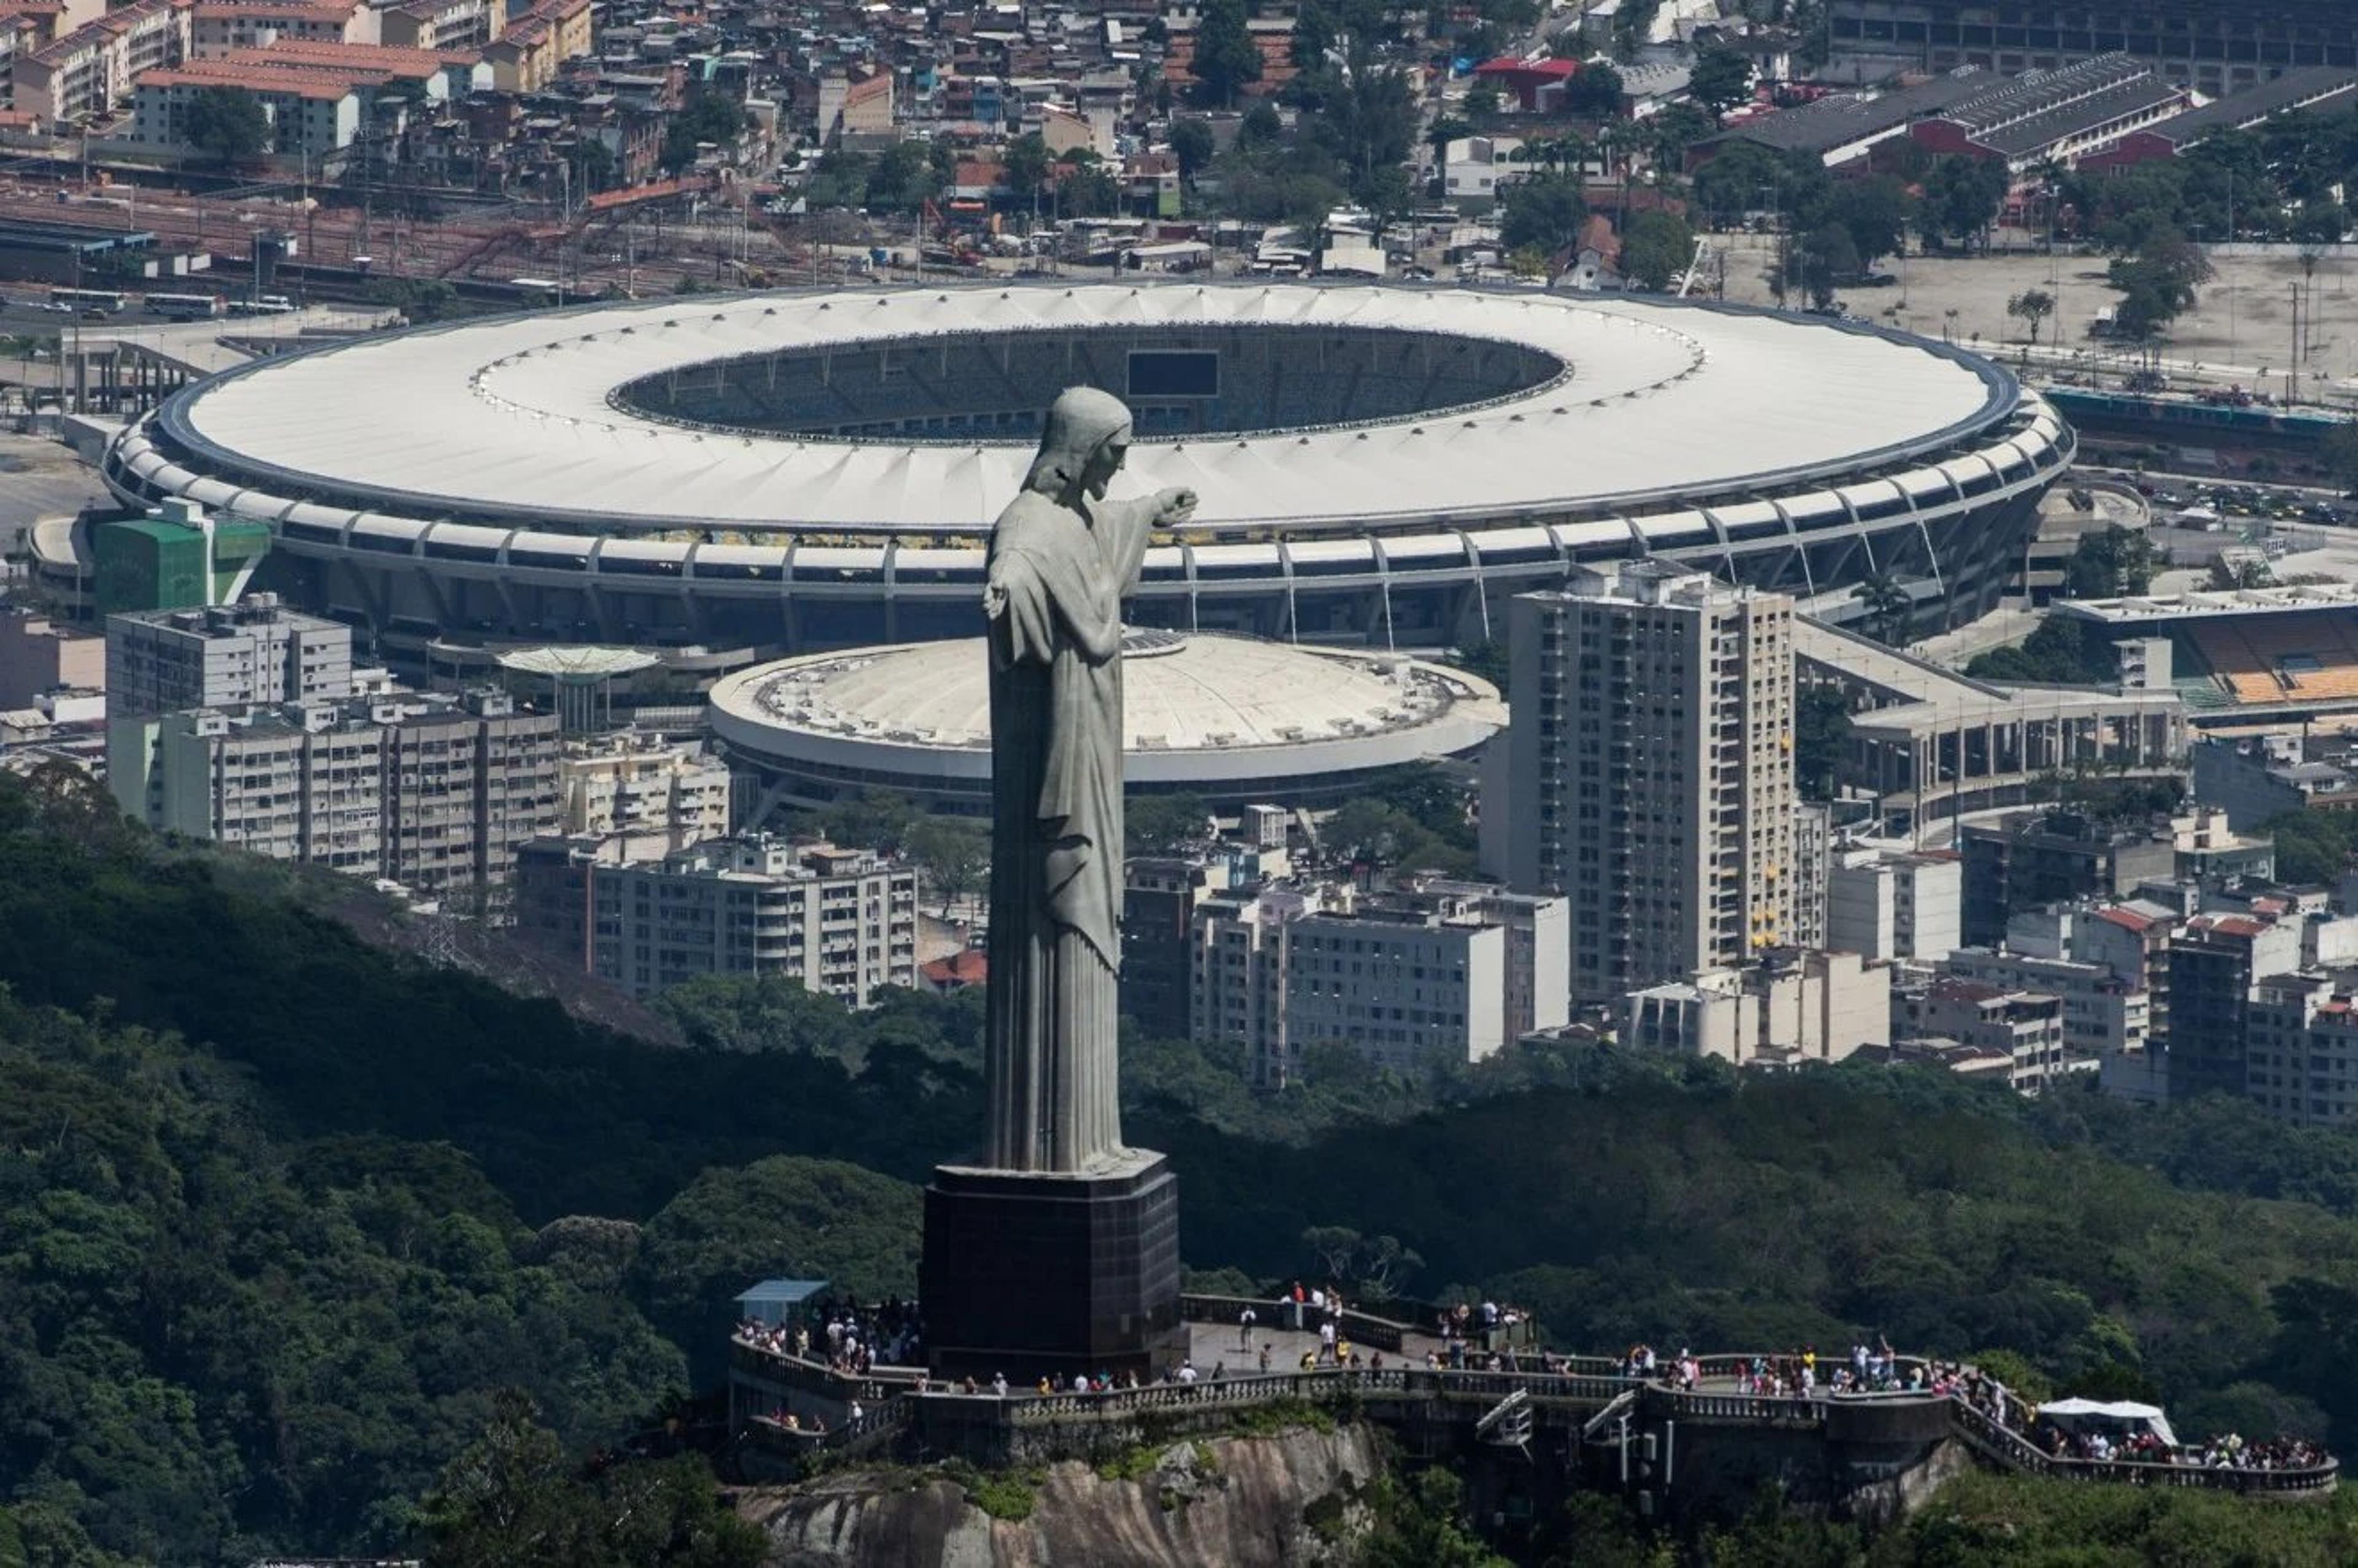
<point>1056,579</point>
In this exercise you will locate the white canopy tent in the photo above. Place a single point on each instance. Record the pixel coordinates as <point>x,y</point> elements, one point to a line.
<point>2082,1415</point>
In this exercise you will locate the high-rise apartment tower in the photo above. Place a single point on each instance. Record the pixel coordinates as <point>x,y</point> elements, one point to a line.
<point>1649,774</point>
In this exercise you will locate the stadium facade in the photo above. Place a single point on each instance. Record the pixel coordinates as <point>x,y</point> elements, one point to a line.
<point>1377,465</point>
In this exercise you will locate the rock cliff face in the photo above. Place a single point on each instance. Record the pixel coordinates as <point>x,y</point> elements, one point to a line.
<point>1259,1502</point>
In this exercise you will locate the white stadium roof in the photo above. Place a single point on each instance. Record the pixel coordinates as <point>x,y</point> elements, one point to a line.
<point>511,418</point>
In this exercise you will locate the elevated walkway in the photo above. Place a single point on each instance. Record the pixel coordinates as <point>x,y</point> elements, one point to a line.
<point>1587,1402</point>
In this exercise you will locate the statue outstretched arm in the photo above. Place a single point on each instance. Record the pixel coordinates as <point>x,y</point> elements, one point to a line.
<point>1133,522</point>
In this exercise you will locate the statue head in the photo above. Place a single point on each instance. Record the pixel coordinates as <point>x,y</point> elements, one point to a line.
<point>1082,448</point>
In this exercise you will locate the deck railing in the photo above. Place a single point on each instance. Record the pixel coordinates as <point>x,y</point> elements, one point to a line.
<point>1582,1392</point>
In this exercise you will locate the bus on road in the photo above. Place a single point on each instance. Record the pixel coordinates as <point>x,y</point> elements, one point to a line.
<point>100,299</point>
<point>185,306</point>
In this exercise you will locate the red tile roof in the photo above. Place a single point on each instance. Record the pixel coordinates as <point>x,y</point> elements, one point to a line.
<point>969,967</point>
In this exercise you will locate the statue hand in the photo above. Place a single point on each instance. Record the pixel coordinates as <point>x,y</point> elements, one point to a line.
<point>994,601</point>
<point>1174,507</point>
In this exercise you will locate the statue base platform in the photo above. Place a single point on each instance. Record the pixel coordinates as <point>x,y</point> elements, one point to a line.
<point>1029,1273</point>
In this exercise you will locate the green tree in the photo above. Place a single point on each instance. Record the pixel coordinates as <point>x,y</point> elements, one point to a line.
<point>707,115</point>
<point>226,125</point>
<point>1226,56</point>
<point>509,1502</point>
<point>1819,262</point>
<point>1596,94</point>
<point>2059,651</point>
<point>2031,307</point>
<point>1821,735</point>
<point>1025,164</point>
<point>951,853</point>
<point>871,819</point>
<point>1666,137</point>
<point>1191,144</point>
<point>1658,248</point>
<point>2112,563</point>
<point>763,1013</point>
<point>1963,195</point>
<point>1315,29</point>
<point>421,299</point>
<point>2322,224</point>
<point>1375,1266</point>
<point>1874,212</point>
<point>1444,130</point>
<point>1742,177</point>
<point>902,179</point>
<point>1421,1524</point>
<point>806,1219</point>
<point>504,1501</point>
<point>1485,657</point>
<point>1158,822</point>
<point>2158,284</point>
<point>594,165</point>
<point>1544,211</point>
<point>1720,79</point>
<point>1633,27</point>
<point>839,179</point>
<point>1888,606</point>
<point>2312,847</point>
<point>1085,191</point>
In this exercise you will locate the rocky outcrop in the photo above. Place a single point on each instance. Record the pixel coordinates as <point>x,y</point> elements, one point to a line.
<point>1297,1497</point>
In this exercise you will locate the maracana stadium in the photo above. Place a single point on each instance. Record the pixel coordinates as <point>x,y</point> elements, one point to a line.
<point>1378,466</point>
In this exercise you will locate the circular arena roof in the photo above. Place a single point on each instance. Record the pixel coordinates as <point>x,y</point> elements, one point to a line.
<point>551,418</point>
<point>1200,711</point>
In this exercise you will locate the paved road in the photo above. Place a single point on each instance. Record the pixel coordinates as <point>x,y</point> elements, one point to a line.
<point>41,479</point>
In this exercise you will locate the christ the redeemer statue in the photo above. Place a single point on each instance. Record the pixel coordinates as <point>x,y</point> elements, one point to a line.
<point>1062,558</point>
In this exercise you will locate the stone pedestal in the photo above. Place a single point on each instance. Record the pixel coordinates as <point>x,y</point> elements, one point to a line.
<point>1025,1274</point>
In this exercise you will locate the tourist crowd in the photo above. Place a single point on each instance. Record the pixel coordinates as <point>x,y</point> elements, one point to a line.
<point>851,1339</point>
<point>843,1336</point>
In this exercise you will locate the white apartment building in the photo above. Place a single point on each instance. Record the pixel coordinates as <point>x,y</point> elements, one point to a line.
<point>838,921</point>
<point>1479,169</point>
<point>431,792</point>
<point>444,25</point>
<point>1236,980</point>
<point>1795,1006</point>
<point>466,786</point>
<point>1813,860</point>
<point>303,783</point>
<point>2302,1060</point>
<point>2102,1016</point>
<point>89,70</point>
<point>1449,972</point>
<point>217,28</point>
<point>1884,903</point>
<point>657,795</point>
<point>255,652</point>
<point>310,113</point>
<point>2025,1027</point>
<point>1649,774</point>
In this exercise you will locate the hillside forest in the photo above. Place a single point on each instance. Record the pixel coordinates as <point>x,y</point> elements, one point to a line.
<point>307,1246</point>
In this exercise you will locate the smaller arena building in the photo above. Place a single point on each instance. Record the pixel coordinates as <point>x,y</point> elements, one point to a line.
<point>2244,655</point>
<point>1233,720</point>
